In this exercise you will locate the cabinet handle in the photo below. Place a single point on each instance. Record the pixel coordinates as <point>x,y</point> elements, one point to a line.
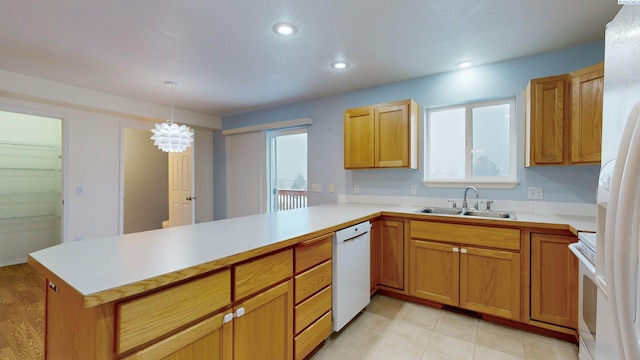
<point>455,249</point>
<point>227,318</point>
<point>463,250</point>
<point>240,312</point>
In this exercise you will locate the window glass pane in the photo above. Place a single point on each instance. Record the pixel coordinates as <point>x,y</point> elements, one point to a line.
<point>446,141</point>
<point>490,140</point>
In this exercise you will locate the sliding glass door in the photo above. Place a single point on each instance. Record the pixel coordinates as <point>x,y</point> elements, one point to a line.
<point>287,169</point>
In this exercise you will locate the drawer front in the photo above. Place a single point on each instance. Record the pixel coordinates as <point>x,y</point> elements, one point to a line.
<point>261,273</point>
<point>311,309</point>
<point>310,282</point>
<point>313,336</point>
<point>313,252</point>
<point>495,237</point>
<point>149,317</point>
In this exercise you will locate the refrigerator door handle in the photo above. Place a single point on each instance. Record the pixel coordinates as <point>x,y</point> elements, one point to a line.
<point>624,257</point>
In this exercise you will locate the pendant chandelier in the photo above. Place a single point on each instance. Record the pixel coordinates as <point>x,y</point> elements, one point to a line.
<point>169,136</point>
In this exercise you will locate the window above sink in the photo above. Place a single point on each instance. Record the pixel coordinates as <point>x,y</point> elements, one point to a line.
<point>471,143</point>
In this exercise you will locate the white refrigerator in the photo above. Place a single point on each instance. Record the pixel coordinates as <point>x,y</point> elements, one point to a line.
<point>618,229</point>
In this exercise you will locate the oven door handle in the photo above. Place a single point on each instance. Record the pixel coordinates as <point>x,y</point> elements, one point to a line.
<point>574,247</point>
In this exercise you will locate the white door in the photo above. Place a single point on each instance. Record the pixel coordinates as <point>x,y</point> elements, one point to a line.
<point>181,195</point>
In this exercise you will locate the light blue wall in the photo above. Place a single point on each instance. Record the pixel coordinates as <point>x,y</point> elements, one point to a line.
<point>497,80</point>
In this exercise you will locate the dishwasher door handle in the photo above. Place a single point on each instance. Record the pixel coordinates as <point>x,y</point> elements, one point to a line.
<point>355,237</point>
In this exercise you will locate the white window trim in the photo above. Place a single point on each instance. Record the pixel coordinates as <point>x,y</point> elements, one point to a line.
<point>481,182</point>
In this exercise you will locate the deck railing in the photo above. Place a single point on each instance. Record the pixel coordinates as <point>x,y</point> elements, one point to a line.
<point>291,199</point>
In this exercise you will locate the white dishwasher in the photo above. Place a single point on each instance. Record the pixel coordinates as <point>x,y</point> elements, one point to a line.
<point>351,271</point>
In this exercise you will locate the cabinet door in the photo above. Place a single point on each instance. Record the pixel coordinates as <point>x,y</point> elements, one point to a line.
<point>392,133</point>
<point>554,280</point>
<point>490,282</point>
<point>210,339</point>
<point>434,271</point>
<point>586,117</point>
<point>359,138</point>
<point>263,327</point>
<point>376,250</point>
<point>392,253</point>
<point>549,114</point>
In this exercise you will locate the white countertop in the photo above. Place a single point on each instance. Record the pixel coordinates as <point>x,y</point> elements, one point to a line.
<point>98,265</point>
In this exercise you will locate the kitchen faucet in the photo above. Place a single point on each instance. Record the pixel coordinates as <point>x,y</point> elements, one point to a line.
<point>464,201</point>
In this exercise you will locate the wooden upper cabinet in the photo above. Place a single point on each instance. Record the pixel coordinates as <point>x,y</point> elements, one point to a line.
<point>359,138</point>
<point>564,118</point>
<point>381,136</point>
<point>586,116</point>
<point>548,113</point>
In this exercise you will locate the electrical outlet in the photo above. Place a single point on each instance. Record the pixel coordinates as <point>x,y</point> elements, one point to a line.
<point>331,189</point>
<point>535,193</point>
<point>414,190</point>
<point>356,189</point>
<point>316,188</point>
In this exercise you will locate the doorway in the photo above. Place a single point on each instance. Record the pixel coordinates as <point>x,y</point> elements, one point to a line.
<point>146,183</point>
<point>157,186</point>
<point>287,169</point>
<point>30,185</point>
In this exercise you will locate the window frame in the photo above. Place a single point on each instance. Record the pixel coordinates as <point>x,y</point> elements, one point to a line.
<point>500,182</point>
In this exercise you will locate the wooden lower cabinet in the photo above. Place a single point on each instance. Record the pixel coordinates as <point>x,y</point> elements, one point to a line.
<point>391,249</point>
<point>490,282</point>
<point>554,280</point>
<point>448,265</point>
<point>483,280</point>
<point>434,270</point>
<point>313,294</point>
<point>375,257</point>
<point>263,327</point>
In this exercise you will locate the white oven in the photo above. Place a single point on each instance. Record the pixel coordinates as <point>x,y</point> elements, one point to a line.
<point>584,250</point>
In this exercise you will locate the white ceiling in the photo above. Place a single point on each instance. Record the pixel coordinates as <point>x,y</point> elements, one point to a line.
<point>226,58</point>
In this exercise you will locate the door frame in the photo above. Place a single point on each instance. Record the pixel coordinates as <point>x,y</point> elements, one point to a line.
<point>140,125</point>
<point>64,221</point>
<point>271,161</point>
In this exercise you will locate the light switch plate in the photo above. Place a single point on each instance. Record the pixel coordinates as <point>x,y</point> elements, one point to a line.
<point>356,189</point>
<point>414,190</point>
<point>331,188</point>
<point>316,188</point>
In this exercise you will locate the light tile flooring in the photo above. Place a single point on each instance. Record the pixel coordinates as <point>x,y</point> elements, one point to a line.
<point>398,330</point>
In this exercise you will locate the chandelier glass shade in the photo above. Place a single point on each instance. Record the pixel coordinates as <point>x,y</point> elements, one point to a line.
<point>169,136</point>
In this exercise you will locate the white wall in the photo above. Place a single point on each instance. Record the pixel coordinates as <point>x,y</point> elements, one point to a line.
<point>92,136</point>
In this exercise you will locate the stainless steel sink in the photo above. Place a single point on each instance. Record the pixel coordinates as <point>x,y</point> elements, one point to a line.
<point>439,211</point>
<point>490,214</point>
<point>472,213</point>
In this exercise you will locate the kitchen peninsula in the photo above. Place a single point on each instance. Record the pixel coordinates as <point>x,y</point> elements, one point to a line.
<point>135,296</point>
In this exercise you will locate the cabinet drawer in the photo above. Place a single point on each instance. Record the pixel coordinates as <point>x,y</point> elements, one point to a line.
<point>312,308</point>
<point>310,282</point>
<point>146,318</point>
<point>204,340</point>
<point>312,337</point>
<point>261,273</point>
<point>313,252</point>
<point>495,237</point>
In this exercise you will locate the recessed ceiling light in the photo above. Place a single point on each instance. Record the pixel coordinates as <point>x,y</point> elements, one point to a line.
<point>464,64</point>
<point>285,28</point>
<point>340,65</point>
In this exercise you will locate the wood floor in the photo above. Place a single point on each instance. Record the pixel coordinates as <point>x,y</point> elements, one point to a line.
<point>21,313</point>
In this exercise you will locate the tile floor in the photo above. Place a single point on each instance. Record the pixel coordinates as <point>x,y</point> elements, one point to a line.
<point>398,330</point>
